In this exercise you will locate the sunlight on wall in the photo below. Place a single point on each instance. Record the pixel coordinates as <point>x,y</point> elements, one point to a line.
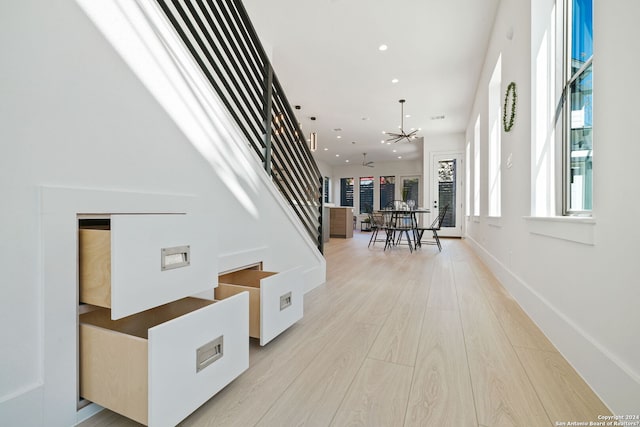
<point>143,38</point>
<point>543,149</point>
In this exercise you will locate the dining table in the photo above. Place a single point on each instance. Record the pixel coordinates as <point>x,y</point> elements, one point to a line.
<point>399,221</point>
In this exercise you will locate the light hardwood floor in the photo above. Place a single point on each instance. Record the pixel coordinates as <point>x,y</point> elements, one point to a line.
<point>402,339</point>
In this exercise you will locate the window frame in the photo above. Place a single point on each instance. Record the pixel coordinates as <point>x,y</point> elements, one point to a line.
<point>568,80</point>
<point>494,146</point>
<point>477,160</point>
<point>343,197</point>
<point>361,203</point>
<point>381,200</point>
<point>326,188</point>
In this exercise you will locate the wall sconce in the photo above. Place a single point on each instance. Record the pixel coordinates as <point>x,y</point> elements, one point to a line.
<point>313,141</point>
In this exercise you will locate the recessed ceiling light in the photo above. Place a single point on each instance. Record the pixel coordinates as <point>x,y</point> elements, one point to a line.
<point>326,149</point>
<point>395,81</point>
<point>347,161</point>
<point>388,143</point>
<point>408,115</point>
<point>399,157</point>
<point>337,155</point>
<point>382,142</point>
<point>395,151</point>
<point>384,133</point>
<point>339,136</point>
<point>383,47</point>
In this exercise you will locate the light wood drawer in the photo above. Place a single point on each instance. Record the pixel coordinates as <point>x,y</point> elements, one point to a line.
<point>275,299</point>
<point>131,263</point>
<point>158,366</point>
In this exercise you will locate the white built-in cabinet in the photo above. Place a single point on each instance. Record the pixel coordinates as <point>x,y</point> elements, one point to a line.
<point>275,299</point>
<point>151,350</point>
<point>147,349</point>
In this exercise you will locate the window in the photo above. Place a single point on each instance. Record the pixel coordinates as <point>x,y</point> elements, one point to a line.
<point>346,191</point>
<point>326,188</point>
<point>387,190</point>
<point>476,168</point>
<point>578,108</point>
<point>467,160</point>
<point>495,132</point>
<point>411,190</point>
<point>366,194</point>
<point>447,177</point>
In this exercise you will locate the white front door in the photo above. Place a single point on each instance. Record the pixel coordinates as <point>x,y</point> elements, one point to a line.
<point>447,174</point>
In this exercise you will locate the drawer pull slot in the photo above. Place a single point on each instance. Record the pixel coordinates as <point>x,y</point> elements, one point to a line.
<point>176,257</point>
<point>209,353</point>
<point>285,301</point>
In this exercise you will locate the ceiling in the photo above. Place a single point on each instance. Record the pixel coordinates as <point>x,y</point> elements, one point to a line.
<point>327,58</point>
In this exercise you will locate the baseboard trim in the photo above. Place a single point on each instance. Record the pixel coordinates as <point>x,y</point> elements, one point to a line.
<point>87,412</point>
<point>314,276</point>
<point>617,385</point>
<point>23,407</point>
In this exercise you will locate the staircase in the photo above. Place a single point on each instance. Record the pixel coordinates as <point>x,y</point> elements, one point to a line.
<point>224,44</point>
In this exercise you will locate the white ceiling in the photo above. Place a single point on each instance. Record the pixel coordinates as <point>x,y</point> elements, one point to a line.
<point>325,54</point>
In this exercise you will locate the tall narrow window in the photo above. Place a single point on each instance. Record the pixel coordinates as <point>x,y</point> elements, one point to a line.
<point>495,132</point>
<point>387,190</point>
<point>366,194</point>
<point>467,160</point>
<point>476,168</point>
<point>447,177</point>
<point>326,188</point>
<point>346,191</point>
<point>411,190</point>
<point>578,119</point>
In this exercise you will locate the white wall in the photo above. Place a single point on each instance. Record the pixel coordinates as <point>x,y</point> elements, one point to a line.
<point>325,169</point>
<point>74,115</point>
<point>578,280</point>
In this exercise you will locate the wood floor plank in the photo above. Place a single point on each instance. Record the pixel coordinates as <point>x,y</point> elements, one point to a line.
<point>563,392</point>
<point>248,398</point>
<point>377,397</point>
<point>442,295</point>
<point>520,329</point>
<point>319,390</point>
<point>441,393</point>
<point>379,299</point>
<point>399,337</point>
<point>503,393</point>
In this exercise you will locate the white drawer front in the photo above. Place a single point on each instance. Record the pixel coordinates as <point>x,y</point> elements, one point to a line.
<point>138,279</point>
<point>176,386</point>
<point>281,303</point>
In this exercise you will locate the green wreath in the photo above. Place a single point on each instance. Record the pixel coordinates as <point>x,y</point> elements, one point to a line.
<point>510,93</point>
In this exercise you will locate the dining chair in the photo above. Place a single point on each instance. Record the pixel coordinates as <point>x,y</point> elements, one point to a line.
<point>376,220</point>
<point>434,228</point>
